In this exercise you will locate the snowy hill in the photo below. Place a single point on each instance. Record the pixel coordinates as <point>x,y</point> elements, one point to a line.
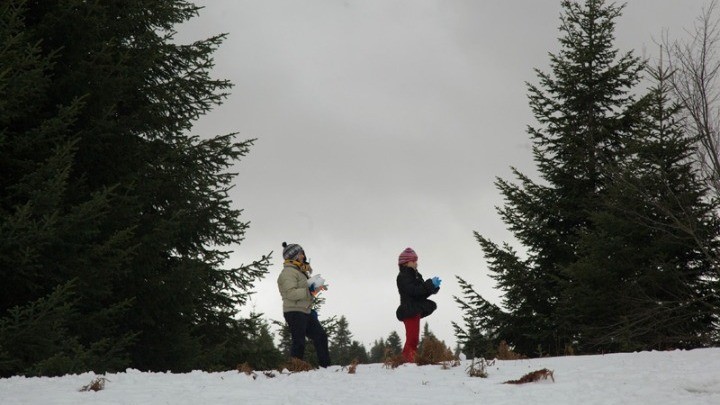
<point>677,377</point>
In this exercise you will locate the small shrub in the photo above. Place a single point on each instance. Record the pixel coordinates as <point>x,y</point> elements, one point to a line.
<point>393,362</point>
<point>295,365</point>
<point>353,366</point>
<point>478,368</point>
<point>446,365</point>
<point>433,351</point>
<point>504,352</point>
<point>244,368</point>
<point>247,369</point>
<point>97,384</point>
<point>533,376</point>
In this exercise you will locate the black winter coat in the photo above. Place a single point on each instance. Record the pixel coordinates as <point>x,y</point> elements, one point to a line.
<point>414,293</point>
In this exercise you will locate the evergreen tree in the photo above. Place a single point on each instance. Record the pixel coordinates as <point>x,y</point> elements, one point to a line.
<point>104,187</point>
<point>586,113</point>
<point>258,348</point>
<point>285,342</point>
<point>340,343</point>
<point>426,333</point>
<point>377,351</point>
<point>392,346</point>
<point>658,274</point>
<point>479,336</point>
<point>357,352</point>
<point>50,237</point>
<point>394,343</point>
<point>36,340</point>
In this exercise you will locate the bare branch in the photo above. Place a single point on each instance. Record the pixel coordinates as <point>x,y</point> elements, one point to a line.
<point>696,84</point>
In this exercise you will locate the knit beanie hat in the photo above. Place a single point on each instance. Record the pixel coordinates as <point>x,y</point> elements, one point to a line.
<point>291,251</point>
<point>407,255</point>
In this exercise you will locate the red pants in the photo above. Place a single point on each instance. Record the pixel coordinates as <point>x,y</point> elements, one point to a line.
<point>412,338</point>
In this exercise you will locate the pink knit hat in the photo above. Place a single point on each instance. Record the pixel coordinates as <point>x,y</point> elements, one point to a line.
<point>407,255</point>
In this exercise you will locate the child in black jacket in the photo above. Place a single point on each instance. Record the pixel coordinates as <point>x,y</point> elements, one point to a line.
<point>414,302</point>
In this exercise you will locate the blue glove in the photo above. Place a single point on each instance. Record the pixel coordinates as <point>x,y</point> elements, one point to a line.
<point>312,287</point>
<point>436,281</point>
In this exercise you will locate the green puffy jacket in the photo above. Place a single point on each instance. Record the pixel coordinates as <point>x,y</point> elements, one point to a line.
<point>292,283</point>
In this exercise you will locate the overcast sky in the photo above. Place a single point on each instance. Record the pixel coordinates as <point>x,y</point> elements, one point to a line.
<point>383,124</point>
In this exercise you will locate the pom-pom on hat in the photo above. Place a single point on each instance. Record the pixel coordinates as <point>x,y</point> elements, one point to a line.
<point>291,251</point>
<point>407,255</point>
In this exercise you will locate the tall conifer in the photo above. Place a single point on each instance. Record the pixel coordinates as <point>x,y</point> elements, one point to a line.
<point>104,184</point>
<point>585,111</point>
<point>652,250</point>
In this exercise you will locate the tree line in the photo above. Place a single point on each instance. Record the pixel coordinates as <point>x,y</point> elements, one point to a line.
<point>116,224</point>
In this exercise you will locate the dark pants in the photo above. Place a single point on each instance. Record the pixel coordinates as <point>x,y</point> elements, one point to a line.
<point>302,325</point>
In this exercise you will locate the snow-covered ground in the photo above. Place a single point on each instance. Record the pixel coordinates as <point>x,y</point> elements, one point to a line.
<point>677,377</point>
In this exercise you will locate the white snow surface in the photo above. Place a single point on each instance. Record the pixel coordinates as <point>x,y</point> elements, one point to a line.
<point>672,377</point>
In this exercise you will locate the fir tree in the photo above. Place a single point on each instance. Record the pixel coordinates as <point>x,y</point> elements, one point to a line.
<point>357,352</point>
<point>382,348</point>
<point>104,185</point>
<point>426,335</point>
<point>652,251</point>
<point>340,343</point>
<point>377,351</point>
<point>258,348</point>
<point>285,340</point>
<point>478,337</point>
<point>37,340</point>
<point>426,332</point>
<point>585,112</point>
<point>52,240</point>
<point>394,343</point>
